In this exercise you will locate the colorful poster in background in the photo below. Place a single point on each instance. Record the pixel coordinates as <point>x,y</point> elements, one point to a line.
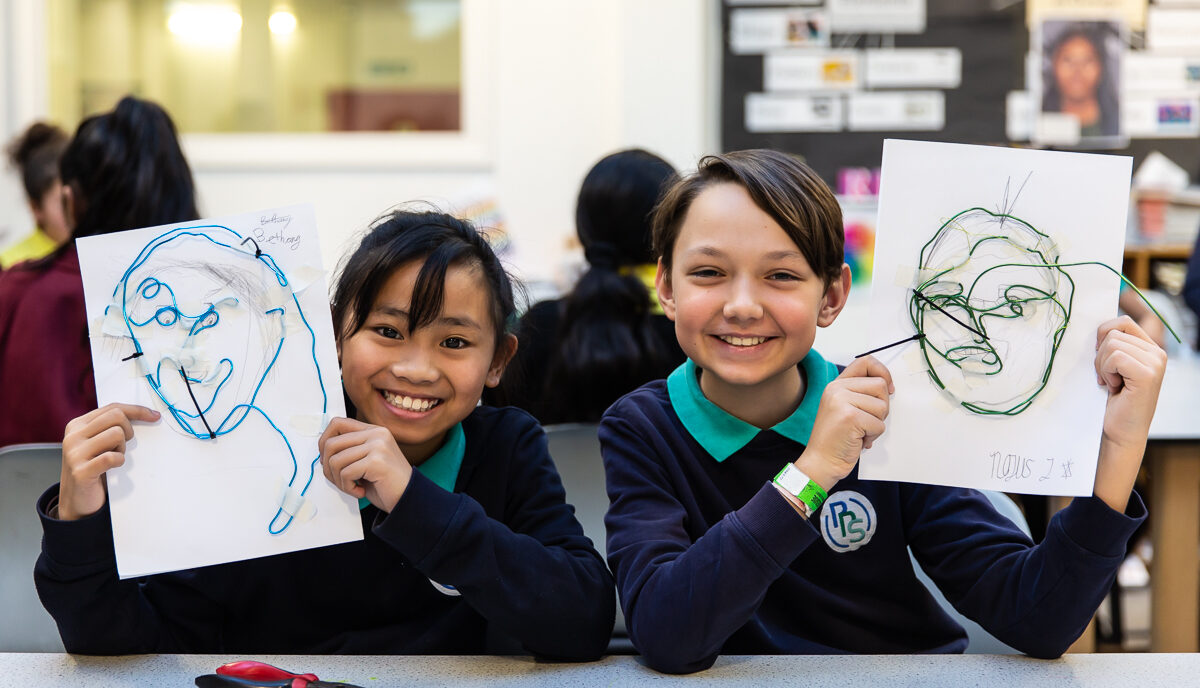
<point>858,218</point>
<point>858,188</point>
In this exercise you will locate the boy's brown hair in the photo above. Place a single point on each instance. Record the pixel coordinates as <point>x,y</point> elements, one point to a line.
<point>782,186</point>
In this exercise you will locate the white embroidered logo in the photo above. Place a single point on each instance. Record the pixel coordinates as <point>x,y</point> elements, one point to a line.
<point>448,590</point>
<point>848,521</point>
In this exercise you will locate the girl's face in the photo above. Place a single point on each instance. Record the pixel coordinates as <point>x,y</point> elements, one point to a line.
<point>1077,69</point>
<point>419,384</point>
<point>745,302</point>
<point>48,213</point>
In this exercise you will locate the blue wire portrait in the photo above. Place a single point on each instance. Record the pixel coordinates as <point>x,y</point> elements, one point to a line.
<point>208,315</point>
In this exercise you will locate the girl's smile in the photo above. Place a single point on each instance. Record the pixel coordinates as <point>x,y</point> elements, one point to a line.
<point>419,384</point>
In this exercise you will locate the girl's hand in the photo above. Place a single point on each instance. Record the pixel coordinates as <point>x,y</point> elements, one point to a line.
<point>92,444</point>
<point>849,420</point>
<point>363,460</point>
<point>1131,366</point>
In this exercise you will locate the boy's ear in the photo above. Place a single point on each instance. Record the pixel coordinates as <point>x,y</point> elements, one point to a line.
<point>662,288</point>
<point>504,353</point>
<point>835,298</point>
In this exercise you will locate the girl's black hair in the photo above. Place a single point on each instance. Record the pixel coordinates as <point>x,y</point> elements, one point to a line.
<point>126,170</point>
<point>35,154</point>
<point>441,241</point>
<point>606,342</point>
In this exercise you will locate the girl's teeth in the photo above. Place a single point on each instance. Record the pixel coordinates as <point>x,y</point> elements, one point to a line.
<point>409,403</point>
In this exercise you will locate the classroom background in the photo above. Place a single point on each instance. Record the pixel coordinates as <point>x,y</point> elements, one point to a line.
<point>496,109</point>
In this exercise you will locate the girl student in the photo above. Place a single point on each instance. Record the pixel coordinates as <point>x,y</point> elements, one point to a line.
<point>123,169</point>
<point>469,546</point>
<point>34,154</point>
<point>738,523</point>
<point>580,353</point>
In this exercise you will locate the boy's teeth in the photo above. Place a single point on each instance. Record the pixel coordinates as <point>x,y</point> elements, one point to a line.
<point>744,341</point>
<point>409,403</point>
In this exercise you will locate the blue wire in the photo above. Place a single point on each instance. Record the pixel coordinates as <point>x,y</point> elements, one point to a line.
<point>169,315</point>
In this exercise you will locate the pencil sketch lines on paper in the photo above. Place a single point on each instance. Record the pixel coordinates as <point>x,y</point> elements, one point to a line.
<point>208,317</point>
<point>994,303</point>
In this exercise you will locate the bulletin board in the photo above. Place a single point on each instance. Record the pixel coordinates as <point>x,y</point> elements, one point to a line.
<point>993,40</point>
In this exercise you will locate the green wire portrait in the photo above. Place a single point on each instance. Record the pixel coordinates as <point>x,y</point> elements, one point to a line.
<point>992,303</point>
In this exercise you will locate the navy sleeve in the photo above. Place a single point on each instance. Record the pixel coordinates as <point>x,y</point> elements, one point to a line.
<point>1191,285</point>
<point>99,614</point>
<point>535,576</point>
<point>682,599</point>
<point>1038,599</point>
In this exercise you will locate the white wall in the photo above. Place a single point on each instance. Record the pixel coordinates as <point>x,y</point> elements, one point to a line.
<point>574,80</point>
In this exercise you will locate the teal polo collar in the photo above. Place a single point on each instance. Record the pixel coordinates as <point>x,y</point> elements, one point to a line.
<point>442,468</point>
<point>721,434</point>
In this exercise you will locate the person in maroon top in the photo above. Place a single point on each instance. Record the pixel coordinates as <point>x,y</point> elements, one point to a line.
<point>123,169</point>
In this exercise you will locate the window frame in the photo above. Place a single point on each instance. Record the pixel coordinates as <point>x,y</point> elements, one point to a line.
<point>24,75</point>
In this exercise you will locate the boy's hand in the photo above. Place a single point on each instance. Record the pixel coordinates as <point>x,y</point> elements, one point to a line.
<point>363,460</point>
<point>1131,366</point>
<point>849,419</point>
<point>92,444</point>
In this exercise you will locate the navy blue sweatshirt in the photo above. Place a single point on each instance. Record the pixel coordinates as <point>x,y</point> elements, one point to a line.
<point>709,558</point>
<point>505,539</point>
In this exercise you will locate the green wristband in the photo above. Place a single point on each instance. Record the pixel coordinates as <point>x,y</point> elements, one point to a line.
<point>795,482</point>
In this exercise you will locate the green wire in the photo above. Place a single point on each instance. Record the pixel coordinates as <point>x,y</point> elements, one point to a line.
<point>1015,298</point>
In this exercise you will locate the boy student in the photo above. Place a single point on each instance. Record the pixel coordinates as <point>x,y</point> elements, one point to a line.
<point>716,549</point>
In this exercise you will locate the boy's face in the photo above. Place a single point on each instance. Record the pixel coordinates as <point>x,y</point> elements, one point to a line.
<point>419,384</point>
<point>745,302</point>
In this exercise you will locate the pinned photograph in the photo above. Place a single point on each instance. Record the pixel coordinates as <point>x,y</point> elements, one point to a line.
<point>1080,83</point>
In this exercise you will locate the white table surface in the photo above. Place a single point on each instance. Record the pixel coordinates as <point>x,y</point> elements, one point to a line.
<point>924,671</point>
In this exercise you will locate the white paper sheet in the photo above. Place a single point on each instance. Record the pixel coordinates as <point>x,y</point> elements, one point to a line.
<point>1080,202</point>
<point>896,111</point>
<point>259,353</point>
<point>876,16</point>
<point>768,112</point>
<point>1155,73</point>
<point>811,70</point>
<point>1018,115</point>
<point>1173,29</point>
<point>908,67</point>
<point>759,30</point>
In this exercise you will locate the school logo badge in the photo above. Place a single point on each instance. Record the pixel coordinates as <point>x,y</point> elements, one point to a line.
<point>447,590</point>
<point>847,521</point>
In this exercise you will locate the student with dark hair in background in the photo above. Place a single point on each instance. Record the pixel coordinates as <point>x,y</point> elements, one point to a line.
<point>123,170</point>
<point>579,354</point>
<point>35,155</point>
<point>1191,285</point>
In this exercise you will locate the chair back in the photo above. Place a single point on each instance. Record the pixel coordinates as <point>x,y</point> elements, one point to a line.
<point>575,448</point>
<point>26,470</point>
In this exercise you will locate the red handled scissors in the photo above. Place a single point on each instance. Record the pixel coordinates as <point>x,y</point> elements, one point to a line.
<point>249,674</point>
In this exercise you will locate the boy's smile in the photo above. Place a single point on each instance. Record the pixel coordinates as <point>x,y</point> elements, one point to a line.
<point>419,384</point>
<point>746,304</point>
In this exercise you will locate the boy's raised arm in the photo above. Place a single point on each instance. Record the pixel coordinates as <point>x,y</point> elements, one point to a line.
<point>1131,366</point>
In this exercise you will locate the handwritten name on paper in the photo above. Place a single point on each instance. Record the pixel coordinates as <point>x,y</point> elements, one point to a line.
<point>1009,467</point>
<point>273,231</point>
